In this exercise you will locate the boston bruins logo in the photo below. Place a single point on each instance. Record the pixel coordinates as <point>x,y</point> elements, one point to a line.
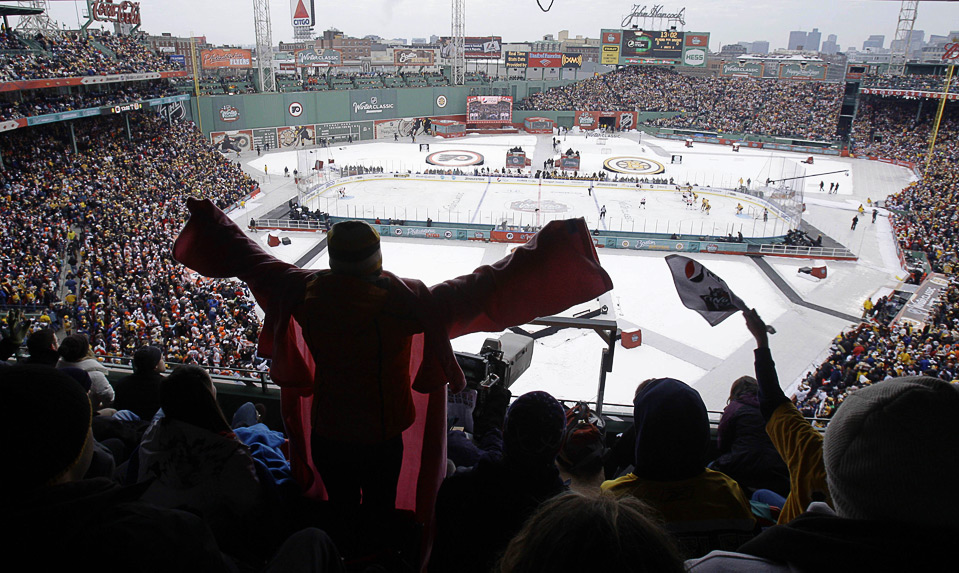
<point>633,165</point>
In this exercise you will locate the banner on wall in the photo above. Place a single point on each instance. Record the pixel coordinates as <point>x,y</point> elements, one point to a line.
<point>485,47</point>
<point>387,128</point>
<point>517,59</point>
<point>313,58</point>
<point>545,59</point>
<point>594,119</point>
<point>226,58</point>
<point>372,104</point>
<point>233,141</point>
<point>265,138</point>
<point>410,57</point>
<point>296,136</point>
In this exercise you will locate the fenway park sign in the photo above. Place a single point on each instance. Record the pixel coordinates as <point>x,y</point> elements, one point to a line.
<point>123,13</point>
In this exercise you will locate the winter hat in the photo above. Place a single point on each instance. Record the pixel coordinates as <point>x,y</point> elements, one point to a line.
<point>889,452</point>
<point>146,359</point>
<point>52,433</point>
<point>80,376</point>
<point>672,430</point>
<point>534,428</point>
<point>354,248</point>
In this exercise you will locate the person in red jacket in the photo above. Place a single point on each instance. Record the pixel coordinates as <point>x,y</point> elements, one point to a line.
<point>350,336</point>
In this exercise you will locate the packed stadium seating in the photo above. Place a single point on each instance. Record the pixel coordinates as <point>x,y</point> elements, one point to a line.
<point>85,242</point>
<point>806,110</point>
<point>72,55</point>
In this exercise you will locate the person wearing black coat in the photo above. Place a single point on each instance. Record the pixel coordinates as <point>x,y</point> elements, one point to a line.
<point>746,453</point>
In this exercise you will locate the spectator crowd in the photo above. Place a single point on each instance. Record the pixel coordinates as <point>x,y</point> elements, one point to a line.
<point>102,221</point>
<point>806,110</point>
<point>74,55</point>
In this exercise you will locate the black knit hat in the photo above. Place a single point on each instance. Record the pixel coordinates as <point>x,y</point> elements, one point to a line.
<point>52,433</point>
<point>354,248</point>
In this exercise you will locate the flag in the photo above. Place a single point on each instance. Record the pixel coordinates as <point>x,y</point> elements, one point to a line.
<point>702,291</point>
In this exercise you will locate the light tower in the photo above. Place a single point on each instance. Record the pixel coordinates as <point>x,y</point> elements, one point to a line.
<point>900,44</point>
<point>37,23</point>
<point>264,45</point>
<point>458,47</point>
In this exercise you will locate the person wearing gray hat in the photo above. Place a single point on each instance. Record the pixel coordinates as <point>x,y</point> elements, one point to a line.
<point>890,464</point>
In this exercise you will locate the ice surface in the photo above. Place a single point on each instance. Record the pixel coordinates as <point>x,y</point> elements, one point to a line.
<point>677,341</point>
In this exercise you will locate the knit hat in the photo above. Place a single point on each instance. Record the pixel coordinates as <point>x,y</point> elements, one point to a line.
<point>534,428</point>
<point>51,433</point>
<point>146,359</point>
<point>889,452</point>
<point>354,248</point>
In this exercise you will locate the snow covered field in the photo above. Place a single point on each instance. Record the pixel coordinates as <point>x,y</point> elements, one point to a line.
<point>676,342</point>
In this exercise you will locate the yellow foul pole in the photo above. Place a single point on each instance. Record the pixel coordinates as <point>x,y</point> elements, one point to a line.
<point>952,50</point>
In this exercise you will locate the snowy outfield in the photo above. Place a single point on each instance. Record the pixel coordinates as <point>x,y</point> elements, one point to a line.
<point>676,342</point>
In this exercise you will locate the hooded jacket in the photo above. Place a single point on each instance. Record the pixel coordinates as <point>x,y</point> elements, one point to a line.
<point>705,509</point>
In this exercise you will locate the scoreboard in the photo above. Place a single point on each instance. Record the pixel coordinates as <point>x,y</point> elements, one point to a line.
<point>665,44</point>
<point>663,47</point>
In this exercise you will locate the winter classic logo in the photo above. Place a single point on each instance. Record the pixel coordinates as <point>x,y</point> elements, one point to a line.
<point>633,165</point>
<point>454,158</point>
<point>229,113</point>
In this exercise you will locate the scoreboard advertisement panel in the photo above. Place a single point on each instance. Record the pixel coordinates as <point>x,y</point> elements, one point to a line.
<point>662,47</point>
<point>489,109</point>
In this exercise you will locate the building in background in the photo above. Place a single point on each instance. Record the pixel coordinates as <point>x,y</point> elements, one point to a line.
<point>812,40</point>
<point>875,41</point>
<point>797,40</point>
<point>830,46</point>
<point>169,45</point>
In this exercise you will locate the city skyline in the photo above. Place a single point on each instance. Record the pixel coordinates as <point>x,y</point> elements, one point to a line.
<point>728,21</point>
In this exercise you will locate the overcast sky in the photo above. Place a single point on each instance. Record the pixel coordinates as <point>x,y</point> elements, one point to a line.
<point>729,21</point>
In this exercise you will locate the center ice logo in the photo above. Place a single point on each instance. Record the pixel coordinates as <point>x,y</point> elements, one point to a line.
<point>633,165</point>
<point>455,158</point>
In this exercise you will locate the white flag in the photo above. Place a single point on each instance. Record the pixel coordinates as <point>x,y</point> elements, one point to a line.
<point>702,291</point>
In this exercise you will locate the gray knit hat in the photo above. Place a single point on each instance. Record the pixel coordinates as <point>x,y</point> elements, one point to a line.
<point>891,452</point>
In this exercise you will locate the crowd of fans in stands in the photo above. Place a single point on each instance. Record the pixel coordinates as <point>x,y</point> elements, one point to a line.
<point>807,110</point>
<point>74,55</point>
<point>121,202</point>
<point>41,102</point>
<point>917,82</point>
<point>923,216</point>
<point>534,488</point>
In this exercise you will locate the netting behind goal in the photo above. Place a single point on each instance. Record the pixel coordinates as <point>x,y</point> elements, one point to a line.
<point>782,181</point>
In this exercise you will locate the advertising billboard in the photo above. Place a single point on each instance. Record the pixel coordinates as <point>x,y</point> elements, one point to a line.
<point>516,59</point>
<point>313,58</point>
<point>476,47</point>
<point>303,12</point>
<point>662,47</point>
<point>489,109</point>
<point>802,71</point>
<point>545,59</point>
<point>572,60</point>
<point>742,68</point>
<point>226,58</point>
<point>410,57</point>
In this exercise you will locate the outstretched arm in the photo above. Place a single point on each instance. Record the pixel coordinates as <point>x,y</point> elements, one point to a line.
<point>555,270</point>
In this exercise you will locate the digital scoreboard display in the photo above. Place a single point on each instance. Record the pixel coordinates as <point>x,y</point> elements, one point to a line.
<point>666,44</point>
<point>654,47</point>
<point>489,109</point>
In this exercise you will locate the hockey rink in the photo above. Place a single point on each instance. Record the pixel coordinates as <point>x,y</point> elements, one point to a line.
<point>644,208</point>
<point>677,342</point>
